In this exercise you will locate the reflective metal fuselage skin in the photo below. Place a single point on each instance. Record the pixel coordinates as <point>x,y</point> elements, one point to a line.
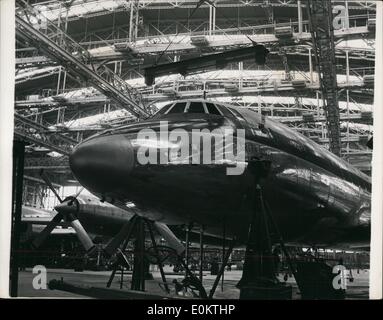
<point>314,196</point>
<point>100,218</point>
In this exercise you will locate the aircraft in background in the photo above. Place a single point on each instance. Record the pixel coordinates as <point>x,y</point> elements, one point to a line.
<point>98,219</point>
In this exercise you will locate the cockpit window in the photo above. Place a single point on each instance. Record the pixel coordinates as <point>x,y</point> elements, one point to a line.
<point>196,107</point>
<point>224,111</point>
<point>239,117</point>
<point>178,108</point>
<point>163,110</point>
<point>236,113</point>
<point>192,107</point>
<point>212,109</point>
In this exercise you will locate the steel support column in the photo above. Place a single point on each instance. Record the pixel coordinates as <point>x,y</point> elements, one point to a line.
<point>201,260</point>
<point>17,199</point>
<point>133,20</point>
<point>300,24</point>
<point>322,33</point>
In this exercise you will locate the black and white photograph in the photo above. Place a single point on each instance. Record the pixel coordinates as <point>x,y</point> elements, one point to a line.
<point>191,150</point>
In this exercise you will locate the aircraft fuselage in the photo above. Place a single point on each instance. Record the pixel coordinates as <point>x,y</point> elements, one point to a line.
<point>314,196</point>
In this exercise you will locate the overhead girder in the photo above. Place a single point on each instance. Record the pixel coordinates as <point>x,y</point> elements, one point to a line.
<point>257,53</point>
<point>77,108</point>
<point>45,72</point>
<point>194,88</point>
<point>38,134</point>
<point>97,8</point>
<point>150,44</point>
<point>46,163</point>
<point>76,60</point>
<point>120,49</point>
<point>358,57</point>
<point>299,63</point>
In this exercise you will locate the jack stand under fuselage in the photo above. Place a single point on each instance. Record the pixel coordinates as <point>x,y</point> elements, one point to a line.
<point>140,262</point>
<point>259,279</point>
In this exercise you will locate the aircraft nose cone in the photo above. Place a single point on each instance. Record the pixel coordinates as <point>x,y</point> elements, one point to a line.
<point>103,162</point>
<point>66,207</point>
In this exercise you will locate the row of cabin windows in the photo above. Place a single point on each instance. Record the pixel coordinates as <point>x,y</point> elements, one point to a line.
<point>190,107</point>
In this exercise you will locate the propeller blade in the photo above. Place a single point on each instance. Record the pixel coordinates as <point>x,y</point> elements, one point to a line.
<point>49,184</point>
<point>41,237</point>
<point>78,193</point>
<point>82,235</point>
<point>170,237</point>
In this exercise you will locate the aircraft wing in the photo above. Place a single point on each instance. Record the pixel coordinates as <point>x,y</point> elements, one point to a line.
<point>35,216</point>
<point>63,230</point>
<point>42,221</point>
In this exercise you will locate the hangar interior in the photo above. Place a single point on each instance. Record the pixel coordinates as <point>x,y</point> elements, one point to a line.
<point>85,66</point>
